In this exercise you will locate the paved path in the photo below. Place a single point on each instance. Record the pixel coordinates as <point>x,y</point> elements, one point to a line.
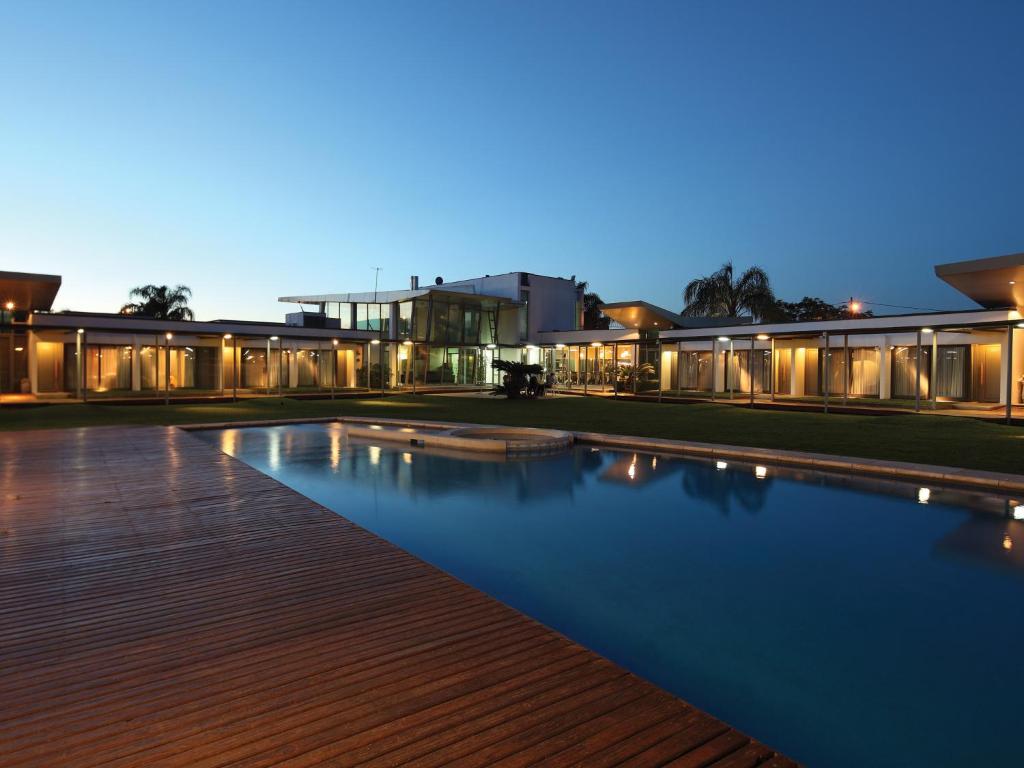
<point>164,604</point>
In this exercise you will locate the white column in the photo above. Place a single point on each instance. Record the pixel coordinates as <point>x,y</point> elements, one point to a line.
<point>884,370</point>
<point>33,364</point>
<point>799,364</point>
<point>136,365</point>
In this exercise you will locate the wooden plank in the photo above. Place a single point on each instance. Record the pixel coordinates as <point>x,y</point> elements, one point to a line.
<point>164,604</point>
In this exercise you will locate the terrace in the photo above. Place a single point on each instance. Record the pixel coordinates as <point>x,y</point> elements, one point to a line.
<point>165,604</point>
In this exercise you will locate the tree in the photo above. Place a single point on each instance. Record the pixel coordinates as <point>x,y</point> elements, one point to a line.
<point>627,374</point>
<point>593,319</point>
<point>811,308</point>
<point>721,295</point>
<point>160,302</point>
<point>516,377</point>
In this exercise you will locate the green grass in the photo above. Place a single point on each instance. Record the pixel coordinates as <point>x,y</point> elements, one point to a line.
<point>944,440</point>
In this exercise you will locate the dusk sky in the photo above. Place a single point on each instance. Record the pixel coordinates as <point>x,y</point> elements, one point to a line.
<point>252,150</point>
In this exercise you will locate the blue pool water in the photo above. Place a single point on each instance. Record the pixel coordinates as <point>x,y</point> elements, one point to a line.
<point>835,618</point>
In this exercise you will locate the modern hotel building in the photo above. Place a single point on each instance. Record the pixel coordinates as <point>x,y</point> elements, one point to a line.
<point>447,334</point>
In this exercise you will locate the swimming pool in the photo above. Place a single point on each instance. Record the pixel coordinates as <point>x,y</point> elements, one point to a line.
<point>836,618</point>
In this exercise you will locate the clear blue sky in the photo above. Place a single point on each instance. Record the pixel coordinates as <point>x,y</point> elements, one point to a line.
<point>252,150</point>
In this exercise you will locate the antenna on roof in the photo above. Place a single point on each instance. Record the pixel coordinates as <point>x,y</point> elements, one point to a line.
<point>376,274</point>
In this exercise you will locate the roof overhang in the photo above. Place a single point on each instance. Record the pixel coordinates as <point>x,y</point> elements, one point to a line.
<point>993,282</point>
<point>28,291</point>
<point>640,314</point>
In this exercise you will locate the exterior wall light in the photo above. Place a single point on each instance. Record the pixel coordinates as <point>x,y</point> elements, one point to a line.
<point>723,338</point>
<point>168,335</point>
<point>80,331</point>
<point>595,344</point>
<point>492,346</point>
<point>926,330</point>
<point>406,343</point>
<point>721,464</point>
<point>227,336</point>
<point>273,338</point>
<point>334,342</point>
<point>923,495</point>
<point>763,337</point>
<point>19,349</point>
<point>9,306</point>
<point>559,346</point>
<point>375,342</point>
<point>760,472</point>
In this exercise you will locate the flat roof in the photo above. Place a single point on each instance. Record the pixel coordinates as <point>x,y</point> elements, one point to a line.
<point>28,290</point>
<point>859,325</point>
<point>116,323</point>
<point>993,282</point>
<point>387,297</point>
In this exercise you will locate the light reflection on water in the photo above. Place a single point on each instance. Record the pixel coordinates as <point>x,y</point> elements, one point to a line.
<point>834,617</point>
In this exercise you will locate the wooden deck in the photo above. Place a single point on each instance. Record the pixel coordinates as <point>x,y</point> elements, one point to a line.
<point>164,604</point>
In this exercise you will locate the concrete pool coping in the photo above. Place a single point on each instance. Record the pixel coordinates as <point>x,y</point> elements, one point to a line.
<point>975,478</point>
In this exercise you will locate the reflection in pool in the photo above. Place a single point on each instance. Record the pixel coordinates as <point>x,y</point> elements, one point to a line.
<point>845,621</point>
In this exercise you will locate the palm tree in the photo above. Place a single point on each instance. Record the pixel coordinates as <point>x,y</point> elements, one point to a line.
<point>593,319</point>
<point>516,377</point>
<point>720,295</point>
<point>160,302</point>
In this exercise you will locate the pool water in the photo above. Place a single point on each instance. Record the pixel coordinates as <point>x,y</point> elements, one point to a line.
<point>837,619</point>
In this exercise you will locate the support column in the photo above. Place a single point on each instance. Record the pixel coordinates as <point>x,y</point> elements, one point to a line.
<point>1009,373</point>
<point>586,354</point>
<point>83,389</point>
<point>750,370</point>
<point>933,389</point>
<point>846,367</point>
<point>825,371</point>
<point>266,367</point>
<point>136,366</point>
<point>33,362</point>
<point>884,370</point>
<point>771,372</point>
<point>167,371</point>
<point>661,366</point>
<point>636,366</point>
<point>334,365</point>
<point>280,363</point>
<point>730,361</point>
<point>714,367</point>
<point>234,369</point>
<point>917,377</point>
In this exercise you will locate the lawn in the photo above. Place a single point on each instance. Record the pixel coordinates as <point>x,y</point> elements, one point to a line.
<point>950,441</point>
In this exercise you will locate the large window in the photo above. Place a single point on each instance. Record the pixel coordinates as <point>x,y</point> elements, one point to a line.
<point>420,319</point>
<point>405,319</point>
<point>108,367</point>
<point>952,371</point>
<point>905,372</point>
<point>695,370</point>
<point>373,317</point>
<point>864,372</point>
